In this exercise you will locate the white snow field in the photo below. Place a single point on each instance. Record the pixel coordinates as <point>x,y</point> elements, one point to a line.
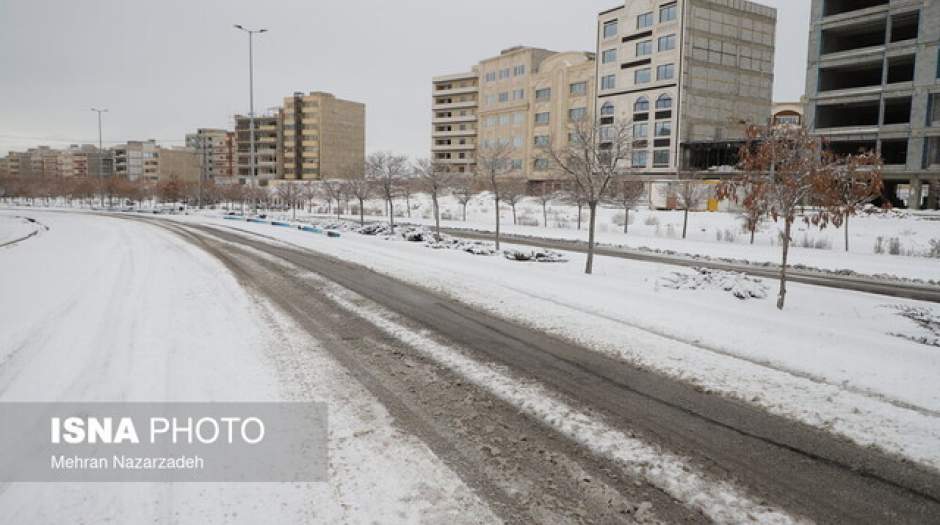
<point>828,360</point>
<point>102,309</point>
<point>710,234</point>
<point>15,228</point>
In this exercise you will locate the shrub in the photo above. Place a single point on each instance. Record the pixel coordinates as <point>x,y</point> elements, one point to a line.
<point>651,220</point>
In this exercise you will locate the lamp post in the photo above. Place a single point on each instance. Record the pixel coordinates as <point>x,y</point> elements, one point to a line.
<point>251,110</point>
<point>100,150</point>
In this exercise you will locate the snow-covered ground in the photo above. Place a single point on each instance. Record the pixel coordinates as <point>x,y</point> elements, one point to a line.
<point>86,311</point>
<point>712,234</point>
<point>829,360</point>
<point>14,228</point>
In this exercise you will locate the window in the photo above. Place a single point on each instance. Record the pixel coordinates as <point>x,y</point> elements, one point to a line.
<point>642,105</point>
<point>644,48</point>
<point>664,102</point>
<point>641,129</point>
<point>609,82</point>
<point>607,109</point>
<point>665,43</point>
<point>490,77</point>
<point>504,96</point>
<point>607,133</point>
<point>518,118</point>
<point>542,95</point>
<point>578,88</point>
<point>518,94</point>
<point>504,73</point>
<point>645,20</point>
<point>667,13</point>
<point>518,70</point>
<point>542,118</point>
<point>541,164</point>
<point>642,76</point>
<point>665,72</point>
<point>516,164</point>
<point>490,122</point>
<point>504,119</point>
<point>661,158</point>
<point>517,141</point>
<point>541,140</point>
<point>577,114</point>
<point>640,159</point>
<point>609,56</point>
<point>491,100</point>
<point>664,128</point>
<point>610,29</point>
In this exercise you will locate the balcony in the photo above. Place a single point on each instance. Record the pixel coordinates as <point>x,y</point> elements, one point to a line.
<point>453,147</point>
<point>841,7</point>
<point>455,105</point>
<point>454,119</point>
<point>466,90</point>
<point>455,133</point>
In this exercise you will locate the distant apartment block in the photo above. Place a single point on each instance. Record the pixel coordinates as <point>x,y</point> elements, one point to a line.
<point>873,83</point>
<point>267,148</point>
<point>524,97</point>
<point>690,74</point>
<point>137,160</point>
<point>322,137</point>
<point>216,151</point>
<point>183,164</point>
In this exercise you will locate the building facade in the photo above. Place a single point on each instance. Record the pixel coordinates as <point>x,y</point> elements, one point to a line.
<point>787,114</point>
<point>873,83</point>
<point>525,98</point>
<point>137,160</point>
<point>690,74</point>
<point>323,137</point>
<point>216,150</point>
<point>184,164</point>
<point>267,148</point>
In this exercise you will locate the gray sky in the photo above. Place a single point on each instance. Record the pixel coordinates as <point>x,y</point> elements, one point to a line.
<point>167,67</point>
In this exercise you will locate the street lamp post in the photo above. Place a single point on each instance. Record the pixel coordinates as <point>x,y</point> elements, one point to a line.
<point>100,150</point>
<point>251,111</point>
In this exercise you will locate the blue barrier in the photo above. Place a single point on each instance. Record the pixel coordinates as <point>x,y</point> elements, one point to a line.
<point>232,218</point>
<point>311,229</point>
<point>282,224</point>
<point>332,234</point>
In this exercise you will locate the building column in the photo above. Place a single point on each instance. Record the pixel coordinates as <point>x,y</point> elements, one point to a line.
<point>933,196</point>
<point>917,194</point>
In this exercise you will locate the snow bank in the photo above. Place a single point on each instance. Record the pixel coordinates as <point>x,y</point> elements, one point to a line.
<point>739,285</point>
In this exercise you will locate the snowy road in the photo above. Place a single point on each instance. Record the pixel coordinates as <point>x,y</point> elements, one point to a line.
<point>439,412</point>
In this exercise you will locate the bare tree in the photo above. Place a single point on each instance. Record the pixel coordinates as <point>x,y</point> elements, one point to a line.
<point>856,181</point>
<point>333,190</point>
<point>627,195</point>
<point>783,167</point>
<point>289,193</point>
<point>692,192</point>
<point>545,195</point>
<point>465,189</point>
<point>513,192</point>
<point>494,161</point>
<point>360,188</point>
<point>590,160</point>
<point>406,186</point>
<point>436,180</point>
<point>387,169</point>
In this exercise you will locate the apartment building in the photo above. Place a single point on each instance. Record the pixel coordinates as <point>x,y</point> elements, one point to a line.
<point>323,137</point>
<point>873,83</point>
<point>690,74</point>
<point>216,149</point>
<point>267,148</point>
<point>41,161</point>
<point>524,97</point>
<point>11,164</point>
<point>137,160</point>
<point>454,123</point>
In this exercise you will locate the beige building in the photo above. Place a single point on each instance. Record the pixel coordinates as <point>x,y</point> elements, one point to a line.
<point>525,97</point>
<point>216,149</point>
<point>787,113</point>
<point>323,137</point>
<point>182,163</point>
<point>137,160</point>
<point>690,74</point>
<point>267,148</point>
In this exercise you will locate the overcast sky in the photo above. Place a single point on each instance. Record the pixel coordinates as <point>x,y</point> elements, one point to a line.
<point>166,67</point>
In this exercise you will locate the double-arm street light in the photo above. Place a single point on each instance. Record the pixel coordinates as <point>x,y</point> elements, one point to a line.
<point>251,111</point>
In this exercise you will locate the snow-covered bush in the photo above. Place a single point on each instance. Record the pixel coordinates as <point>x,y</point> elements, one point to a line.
<point>822,243</point>
<point>738,284</point>
<point>540,255</point>
<point>926,319</point>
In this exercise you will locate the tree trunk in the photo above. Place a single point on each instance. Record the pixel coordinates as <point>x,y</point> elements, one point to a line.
<point>685,222</point>
<point>362,213</point>
<point>580,206</point>
<point>496,200</point>
<point>391,214</point>
<point>514,222</point>
<point>293,212</point>
<point>408,204</point>
<point>465,211</point>
<point>545,215</point>
<point>626,220</point>
<point>781,297</point>
<point>437,217</point>
<point>753,229</point>
<point>589,265</point>
<point>846,226</point>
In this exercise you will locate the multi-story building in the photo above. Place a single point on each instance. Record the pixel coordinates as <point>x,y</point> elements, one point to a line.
<point>524,97</point>
<point>73,162</point>
<point>12,163</point>
<point>690,74</point>
<point>323,137</point>
<point>137,160</point>
<point>873,83</point>
<point>41,161</point>
<point>216,149</point>
<point>267,148</point>
<point>454,120</point>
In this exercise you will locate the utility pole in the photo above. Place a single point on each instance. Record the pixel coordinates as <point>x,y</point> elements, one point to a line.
<point>100,151</point>
<point>251,111</point>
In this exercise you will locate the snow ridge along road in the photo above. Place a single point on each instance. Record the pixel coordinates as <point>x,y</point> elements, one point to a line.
<point>807,472</point>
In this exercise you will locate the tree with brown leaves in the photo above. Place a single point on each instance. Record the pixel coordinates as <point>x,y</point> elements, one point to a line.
<point>856,181</point>
<point>590,159</point>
